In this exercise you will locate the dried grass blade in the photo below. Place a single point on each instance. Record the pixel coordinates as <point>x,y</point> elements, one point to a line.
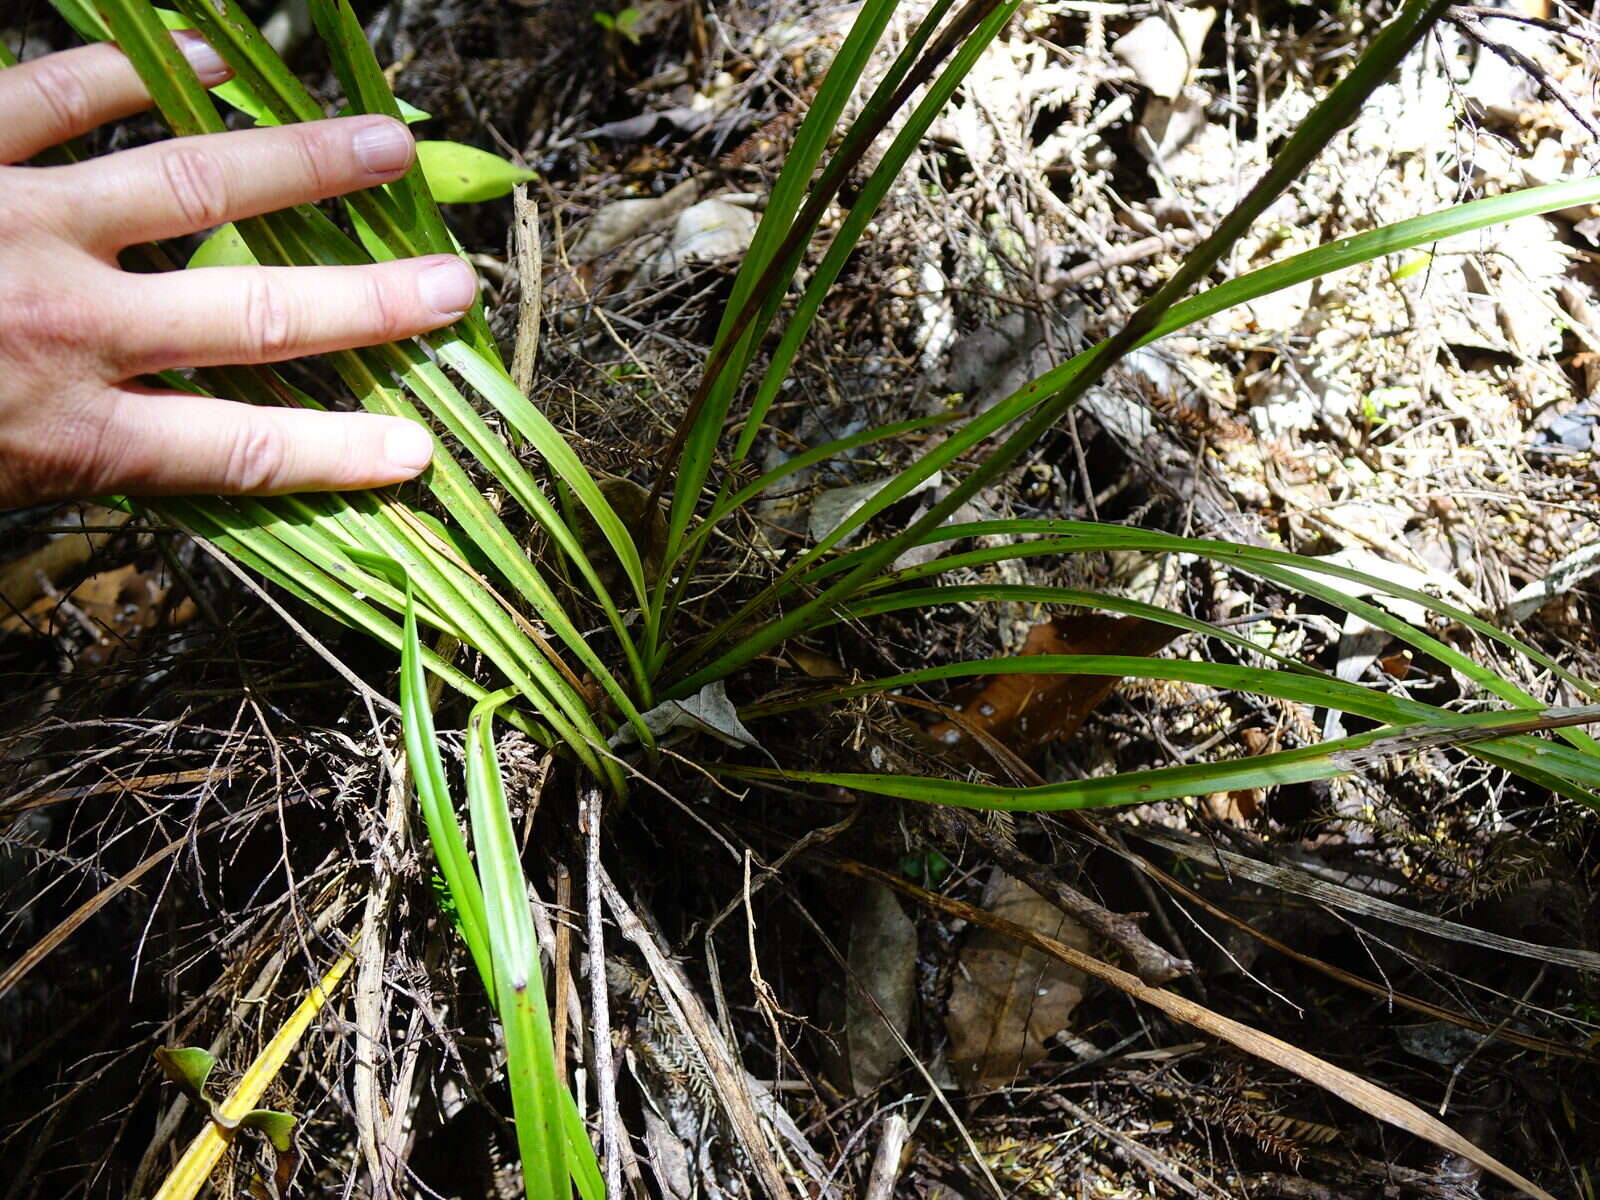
<point>1371,1099</point>
<point>1322,891</point>
<point>45,946</point>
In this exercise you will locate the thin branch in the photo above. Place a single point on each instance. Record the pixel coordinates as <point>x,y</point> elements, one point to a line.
<point>605,1073</point>
<point>1473,28</point>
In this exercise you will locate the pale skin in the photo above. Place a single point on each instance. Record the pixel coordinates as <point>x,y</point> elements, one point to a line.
<point>76,330</point>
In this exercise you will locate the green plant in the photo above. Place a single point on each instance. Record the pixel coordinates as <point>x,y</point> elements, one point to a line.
<point>387,566</point>
<point>491,911</point>
<point>190,1067</point>
<point>624,23</point>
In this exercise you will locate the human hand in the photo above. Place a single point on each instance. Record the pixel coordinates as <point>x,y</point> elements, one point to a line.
<point>75,329</point>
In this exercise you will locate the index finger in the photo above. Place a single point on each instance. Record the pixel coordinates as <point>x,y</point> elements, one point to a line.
<point>49,100</point>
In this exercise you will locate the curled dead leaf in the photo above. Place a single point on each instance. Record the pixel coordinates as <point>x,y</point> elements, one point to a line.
<point>23,580</point>
<point>1010,999</point>
<point>111,608</point>
<point>1028,712</point>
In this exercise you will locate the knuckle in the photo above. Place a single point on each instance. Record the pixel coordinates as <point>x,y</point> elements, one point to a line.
<point>63,96</point>
<point>315,152</point>
<point>390,316</point>
<point>40,322</point>
<point>254,460</point>
<point>71,455</point>
<point>197,184</point>
<point>270,319</point>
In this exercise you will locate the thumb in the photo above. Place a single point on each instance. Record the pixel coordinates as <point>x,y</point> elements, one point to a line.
<point>157,443</point>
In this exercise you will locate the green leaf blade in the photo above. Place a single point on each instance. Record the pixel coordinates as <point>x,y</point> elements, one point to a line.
<point>519,981</point>
<point>461,174</point>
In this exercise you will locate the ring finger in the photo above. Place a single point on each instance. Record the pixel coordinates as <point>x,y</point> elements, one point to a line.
<point>48,100</point>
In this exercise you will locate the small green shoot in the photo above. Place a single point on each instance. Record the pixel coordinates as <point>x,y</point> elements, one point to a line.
<point>188,1067</point>
<point>624,23</point>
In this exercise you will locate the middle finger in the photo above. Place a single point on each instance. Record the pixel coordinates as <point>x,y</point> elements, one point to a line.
<point>188,184</point>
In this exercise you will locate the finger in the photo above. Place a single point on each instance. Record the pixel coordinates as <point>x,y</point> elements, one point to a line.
<point>48,100</point>
<point>173,444</point>
<point>188,184</point>
<point>266,314</point>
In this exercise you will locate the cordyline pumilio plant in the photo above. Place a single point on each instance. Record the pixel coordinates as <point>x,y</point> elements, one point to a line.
<point>390,565</point>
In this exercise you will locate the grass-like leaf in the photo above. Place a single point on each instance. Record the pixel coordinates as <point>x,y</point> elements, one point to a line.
<point>433,797</point>
<point>518,976</point>
<point>867,566</point>
<point>1325,761</point>
<point>1297,571</point>
<point>491,911</point>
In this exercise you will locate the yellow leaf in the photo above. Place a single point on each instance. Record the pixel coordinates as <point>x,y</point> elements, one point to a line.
<point>194,1168</point>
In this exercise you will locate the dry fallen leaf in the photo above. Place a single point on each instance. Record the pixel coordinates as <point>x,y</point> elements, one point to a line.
<point>708,232</point>
<point>1396,666</point>
<point>817,666</point>
<point>1353,1089</point>
<point>1009,999</point>
<point>23,580</point>
<point>1242,806</point>
<point>113,607</point>
<point>883,958</point>
<point>1162,52</point>
<point>708,711</point>
<point>649,238</point>
<point>1027,712</point>
<point>631,502</point>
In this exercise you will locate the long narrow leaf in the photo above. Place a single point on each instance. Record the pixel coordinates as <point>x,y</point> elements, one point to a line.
<point>433,797</point>
<point>1325,761</point>
<point>977,23</point>
<point>1296,571</point>
<point>518,975</point>
<point>1047,403</point>
<point>455,865</point>
<point>783,203</point>
<point>1021,593</point>
<point>860,215</point>
<point>1340,255</point>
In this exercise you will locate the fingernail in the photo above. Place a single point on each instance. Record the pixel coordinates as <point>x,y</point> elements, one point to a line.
<point>448,288</point>
<point>207,63</point>
<point>407,446</point>
<point>383,146</point>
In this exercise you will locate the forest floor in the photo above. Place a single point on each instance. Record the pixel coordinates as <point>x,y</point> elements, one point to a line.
<point>197,812</point>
